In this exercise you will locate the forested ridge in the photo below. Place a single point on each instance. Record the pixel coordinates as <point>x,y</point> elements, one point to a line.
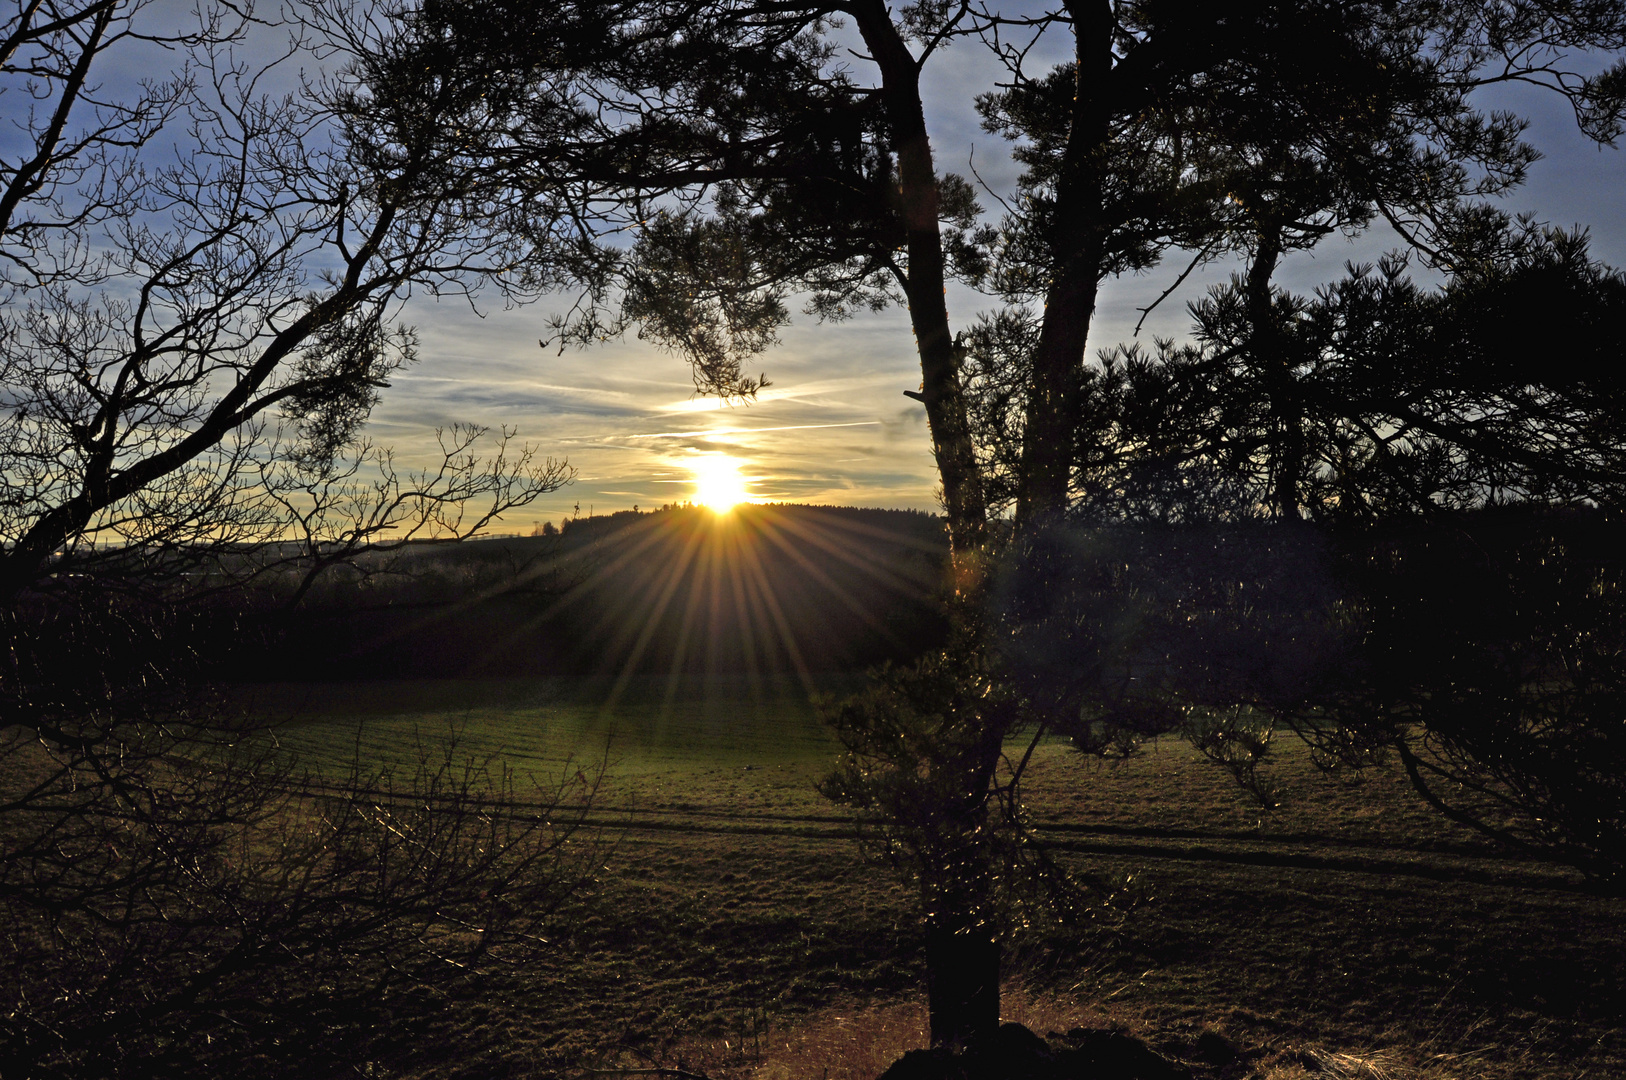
<point>767,588</point>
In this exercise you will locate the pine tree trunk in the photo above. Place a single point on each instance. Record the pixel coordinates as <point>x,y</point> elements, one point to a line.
<point>962,984</point>
<point>962,958</point>
<point>946,412</point>
<point>1075,267</point>
<point>1286,414</point>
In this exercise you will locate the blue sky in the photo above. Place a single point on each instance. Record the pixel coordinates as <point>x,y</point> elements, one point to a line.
<point>835,426</point>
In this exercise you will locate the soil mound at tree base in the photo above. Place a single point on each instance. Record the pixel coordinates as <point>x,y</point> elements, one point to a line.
<point>1015,1053</point>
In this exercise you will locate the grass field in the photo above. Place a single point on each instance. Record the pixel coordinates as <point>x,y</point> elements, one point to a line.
<point>735,930</point>
<point>536,725</point>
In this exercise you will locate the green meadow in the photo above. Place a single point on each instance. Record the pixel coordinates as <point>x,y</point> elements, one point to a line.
<point>733,928</point>
<point>643,725</point>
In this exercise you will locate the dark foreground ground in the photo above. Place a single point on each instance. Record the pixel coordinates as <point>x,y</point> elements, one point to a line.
<point>736,931</point>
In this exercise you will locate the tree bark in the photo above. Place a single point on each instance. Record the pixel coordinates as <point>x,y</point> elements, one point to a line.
<point>1076,246</point>
<point>962,956</point>
<point>1106,86</point>
<point>1275,364</point>
<point>924,282</point>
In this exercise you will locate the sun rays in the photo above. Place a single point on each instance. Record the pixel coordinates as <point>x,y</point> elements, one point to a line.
<point>766,594</point>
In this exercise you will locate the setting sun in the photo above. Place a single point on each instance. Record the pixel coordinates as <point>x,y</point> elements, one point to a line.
<point>718,483</point>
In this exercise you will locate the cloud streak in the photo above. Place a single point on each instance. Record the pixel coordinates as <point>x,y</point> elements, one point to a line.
<point>834,426</point>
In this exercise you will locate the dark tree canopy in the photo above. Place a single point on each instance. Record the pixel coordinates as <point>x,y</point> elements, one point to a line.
<point>770,165</point>
<point>1499,387</point>
<point>692,169</point>
<point>1493,654</point>
<point>732,157</point>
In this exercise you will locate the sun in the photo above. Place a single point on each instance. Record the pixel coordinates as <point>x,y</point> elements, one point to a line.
<point>718,483</point>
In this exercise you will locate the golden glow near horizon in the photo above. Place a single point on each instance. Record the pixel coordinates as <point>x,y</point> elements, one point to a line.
<point>718,483</point>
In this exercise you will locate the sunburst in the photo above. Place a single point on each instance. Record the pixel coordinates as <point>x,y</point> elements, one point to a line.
<point>718,482</point>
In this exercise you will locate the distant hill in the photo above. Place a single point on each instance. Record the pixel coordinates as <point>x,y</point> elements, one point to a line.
<point>765,588</point>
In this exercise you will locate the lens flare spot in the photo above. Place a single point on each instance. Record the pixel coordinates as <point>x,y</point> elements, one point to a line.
<point>718,483</point>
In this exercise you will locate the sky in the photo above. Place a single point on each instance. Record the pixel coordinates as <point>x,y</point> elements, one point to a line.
<point>834,427</point>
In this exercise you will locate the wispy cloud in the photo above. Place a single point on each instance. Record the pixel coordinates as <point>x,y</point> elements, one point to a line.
<point>721,432</point>
<point>834,426</point>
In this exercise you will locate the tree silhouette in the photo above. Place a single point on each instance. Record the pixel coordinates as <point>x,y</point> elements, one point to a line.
<point>195,333</point>
<point>200,283</point>
<point>1463,498</point>
<point>1410,400</point>
<point>760,160</point>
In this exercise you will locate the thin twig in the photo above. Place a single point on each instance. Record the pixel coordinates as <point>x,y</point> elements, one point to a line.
<point>971,163</point>
<point>1196,261</point>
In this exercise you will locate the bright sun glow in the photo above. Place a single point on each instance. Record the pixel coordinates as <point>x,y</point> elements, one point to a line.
<point>718,483</point>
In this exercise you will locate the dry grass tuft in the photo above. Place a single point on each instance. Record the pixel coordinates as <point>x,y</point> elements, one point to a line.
<point>1339,1066</point>
<point>859,1043</point>
<point>1314,1063</point>
<point>844,1044</point>
<point>1044,1013</point>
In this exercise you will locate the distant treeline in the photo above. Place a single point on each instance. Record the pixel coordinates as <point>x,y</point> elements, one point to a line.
<point>764,588</point>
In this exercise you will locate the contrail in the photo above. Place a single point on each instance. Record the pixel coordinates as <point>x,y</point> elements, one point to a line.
<point>745,431</point>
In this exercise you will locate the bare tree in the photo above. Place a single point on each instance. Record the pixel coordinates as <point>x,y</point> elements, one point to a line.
<point>199,324</point>
<point>202,280</point>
